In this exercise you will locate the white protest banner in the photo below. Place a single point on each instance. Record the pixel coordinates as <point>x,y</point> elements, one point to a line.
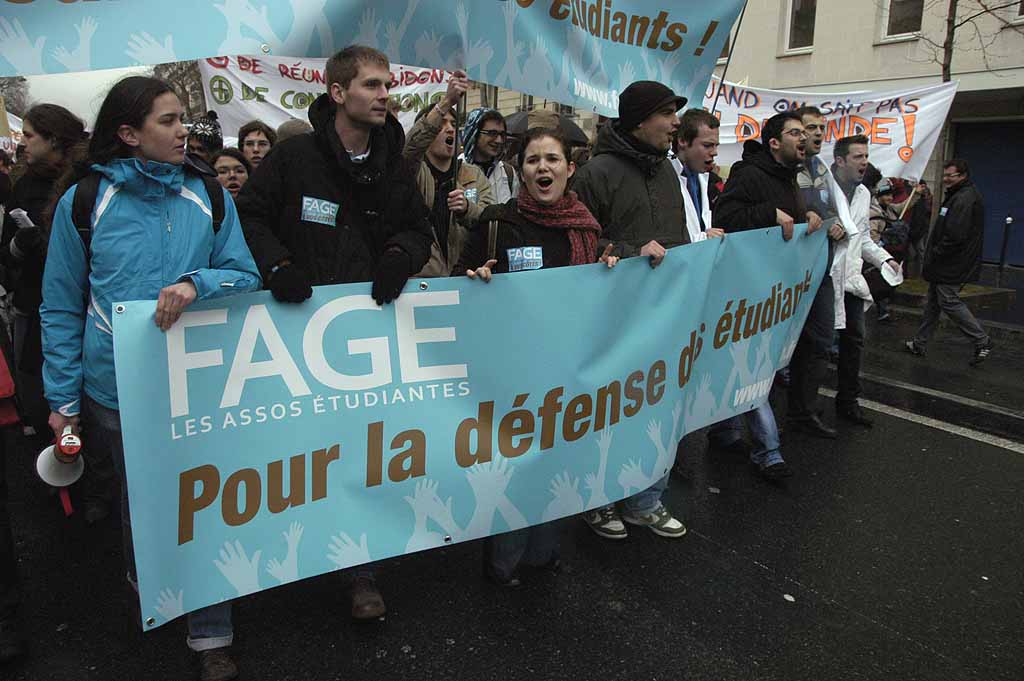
<point>7,142</point>
<point>902,125</point>
<point>276,89</point>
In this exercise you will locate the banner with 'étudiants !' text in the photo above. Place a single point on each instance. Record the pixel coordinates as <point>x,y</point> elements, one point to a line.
<point>577,52</point>
<point>266,442</point>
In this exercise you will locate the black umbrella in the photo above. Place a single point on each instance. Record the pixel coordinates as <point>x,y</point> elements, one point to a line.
<point>519,122</point>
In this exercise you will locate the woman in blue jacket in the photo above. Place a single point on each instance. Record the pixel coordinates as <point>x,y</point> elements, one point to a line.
<point>152,237</point>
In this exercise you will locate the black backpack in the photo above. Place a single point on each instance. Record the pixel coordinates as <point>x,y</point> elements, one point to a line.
<point>88,190</point>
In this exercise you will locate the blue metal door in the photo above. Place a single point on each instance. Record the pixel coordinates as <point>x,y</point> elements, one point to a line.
<point>995,152</point>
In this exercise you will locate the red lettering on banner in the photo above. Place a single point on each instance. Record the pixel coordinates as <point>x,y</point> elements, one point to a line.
<point>250,65</point>
<point>218,62</point>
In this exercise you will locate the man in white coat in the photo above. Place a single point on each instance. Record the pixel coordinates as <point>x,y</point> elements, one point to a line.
<point>852,295</point>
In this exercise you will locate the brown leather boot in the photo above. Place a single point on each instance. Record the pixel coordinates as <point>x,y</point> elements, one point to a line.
<point>367,603</point>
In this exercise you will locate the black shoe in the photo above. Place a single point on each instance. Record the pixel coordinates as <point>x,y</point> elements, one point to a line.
<point>12,642</point>
<point>217,665</point>
<point>776,472</point>
<point>982,353</point>
<point>854,414</point>
<point>913,348</point>
<point>812,425</point>
<point>737,447</point>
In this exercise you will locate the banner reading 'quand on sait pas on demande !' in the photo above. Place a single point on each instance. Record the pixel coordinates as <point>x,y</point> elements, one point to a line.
<point>578,52</point>
<point>267,443</point>
<point>902,126</point>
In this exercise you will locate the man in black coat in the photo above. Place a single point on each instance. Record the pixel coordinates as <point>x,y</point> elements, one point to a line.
<point>340,205</point>
<point>762,192</point>
<point>953,258</point>
<point>633,191</point>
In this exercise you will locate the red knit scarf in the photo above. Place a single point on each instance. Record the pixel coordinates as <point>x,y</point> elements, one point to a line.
<point>568,214</point>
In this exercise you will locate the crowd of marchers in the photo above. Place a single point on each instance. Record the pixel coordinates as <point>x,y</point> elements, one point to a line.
<point>147,207</point>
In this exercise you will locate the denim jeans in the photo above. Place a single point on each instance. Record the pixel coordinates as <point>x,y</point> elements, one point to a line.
<point>851,343</point>
<point>648,500</point>
<point>946,298</point>
<point>8,562</point>
<point>533,546</point>
<point>209,627</point>
<point>809,364</point>
<point>764,433</point>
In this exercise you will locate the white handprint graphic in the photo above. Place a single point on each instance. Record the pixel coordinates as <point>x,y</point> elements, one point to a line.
<point>145,49</point>
<point>288,570</point>
<point>567,500</point>
<point>596,483</point>
<point>488,481</point>
<point>15,46</point>
<point>170,605</point>
<point>537,65</point>
<point>344,552</point>
<point>427,505</point>
<point>80,59</point>
<point>395,34</point>
<point>428,49</point>
<point>631,477</point>
<point>368,29</point>
<point>510,74</point>
<point>238,569</point>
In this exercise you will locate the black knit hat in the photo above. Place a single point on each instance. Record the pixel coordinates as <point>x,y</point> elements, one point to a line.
<point>641,99</point>
<point>206,129</point>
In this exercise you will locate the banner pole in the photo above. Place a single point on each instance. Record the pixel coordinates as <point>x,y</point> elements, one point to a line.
<point>728,60</point>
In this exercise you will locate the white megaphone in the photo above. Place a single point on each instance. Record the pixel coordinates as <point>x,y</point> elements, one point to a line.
<point>60,465</point>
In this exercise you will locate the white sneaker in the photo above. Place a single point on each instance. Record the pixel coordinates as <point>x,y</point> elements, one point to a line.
<point>659,521</point>
<point>605,522</point>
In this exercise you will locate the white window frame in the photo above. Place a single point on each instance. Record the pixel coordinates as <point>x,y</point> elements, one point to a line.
<point>883,27</point>
<point>787,20</point>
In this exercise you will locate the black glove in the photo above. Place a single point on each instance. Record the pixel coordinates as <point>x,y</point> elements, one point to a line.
<point>290,284</point>
<point>392,273</point>
<point>27,242</point>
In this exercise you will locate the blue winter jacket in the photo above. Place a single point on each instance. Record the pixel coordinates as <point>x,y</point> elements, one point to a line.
<point>152,226</point>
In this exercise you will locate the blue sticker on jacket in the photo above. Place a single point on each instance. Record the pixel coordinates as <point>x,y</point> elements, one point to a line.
<point>320,211</point>
<point>525,258</point>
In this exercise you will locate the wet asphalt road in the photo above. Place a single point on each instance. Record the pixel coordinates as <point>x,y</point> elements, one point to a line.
<point>894,553</point>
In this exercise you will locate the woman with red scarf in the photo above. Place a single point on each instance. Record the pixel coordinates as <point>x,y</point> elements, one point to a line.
<point>544,226</point>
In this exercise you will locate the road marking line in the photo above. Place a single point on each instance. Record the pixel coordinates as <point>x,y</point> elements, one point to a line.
<point>969,433</point>
<point>959,399</point>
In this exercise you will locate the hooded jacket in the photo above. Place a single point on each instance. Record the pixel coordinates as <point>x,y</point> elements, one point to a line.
<point>152,227</point>
<point>24,268</point>
<point>309,203</point>
<point>757,186</point>
<point>471,180</point>
<point>634,194</point>
<point>953,254</point>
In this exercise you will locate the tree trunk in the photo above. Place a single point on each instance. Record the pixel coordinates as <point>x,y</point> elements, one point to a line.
<point>947,45</point>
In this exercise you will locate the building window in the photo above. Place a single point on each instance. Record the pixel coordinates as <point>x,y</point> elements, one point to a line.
<point>566,110</point>
<point>801,23</point>
<point>489,96</point>
<point>904,17</point>
<point>526,102</point>
<point>1020,9</point>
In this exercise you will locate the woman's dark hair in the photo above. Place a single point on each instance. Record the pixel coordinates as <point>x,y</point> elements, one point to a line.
<point>57,125</point>
<point>534,134</point>
<point>233,153</point>
<point>129,102</point>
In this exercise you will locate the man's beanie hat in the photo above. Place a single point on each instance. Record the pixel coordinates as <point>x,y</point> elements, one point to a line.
<point>642,98</point>
<point>206,129</point>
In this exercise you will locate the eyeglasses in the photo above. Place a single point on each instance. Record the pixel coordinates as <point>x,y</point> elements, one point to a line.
<point>950,176</point>
<point>494,134</point>
<point>795,132</point>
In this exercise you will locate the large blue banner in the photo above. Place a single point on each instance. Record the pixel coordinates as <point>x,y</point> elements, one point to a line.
<point>579,52</point>
<point>267,443</point>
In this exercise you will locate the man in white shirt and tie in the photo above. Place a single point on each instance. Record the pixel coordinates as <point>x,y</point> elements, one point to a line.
<point>696,146</point>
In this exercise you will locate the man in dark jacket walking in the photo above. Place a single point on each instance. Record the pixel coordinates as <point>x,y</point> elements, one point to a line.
<point>340,205</point>
<point>631,188</point>
<point>762,192</point>
<point>953,258</point>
